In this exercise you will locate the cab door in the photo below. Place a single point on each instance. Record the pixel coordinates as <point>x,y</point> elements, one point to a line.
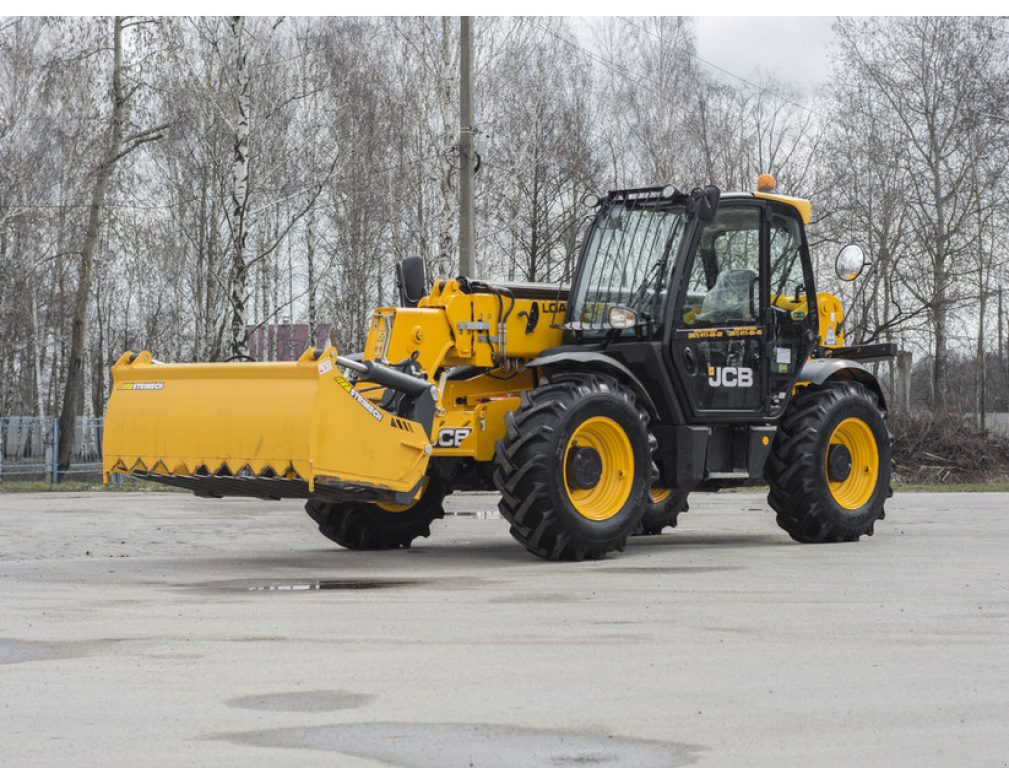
<point>735,353</point>
<point>791,309</point>
<point>717,344</point>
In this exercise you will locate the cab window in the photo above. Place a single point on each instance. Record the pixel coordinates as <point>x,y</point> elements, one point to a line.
<point>723,285</point>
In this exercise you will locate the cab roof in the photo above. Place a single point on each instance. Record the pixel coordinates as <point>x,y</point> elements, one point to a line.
<point>801,205</point>
<point>649,194</point>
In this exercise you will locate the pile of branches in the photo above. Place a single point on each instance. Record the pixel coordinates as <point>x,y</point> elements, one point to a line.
<point>946,448</point>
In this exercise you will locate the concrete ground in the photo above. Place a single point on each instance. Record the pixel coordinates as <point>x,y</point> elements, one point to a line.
<point>161,629</point>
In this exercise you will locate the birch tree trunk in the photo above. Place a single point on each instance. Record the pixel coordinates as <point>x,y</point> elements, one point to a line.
<point>200,287</point>
<point>240,195</point>
<point>310,274</point>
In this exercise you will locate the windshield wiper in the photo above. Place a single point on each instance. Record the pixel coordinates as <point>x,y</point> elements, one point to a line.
<point>654,277</point>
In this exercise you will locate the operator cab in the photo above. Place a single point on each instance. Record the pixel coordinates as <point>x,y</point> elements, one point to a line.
<point>709,300</point>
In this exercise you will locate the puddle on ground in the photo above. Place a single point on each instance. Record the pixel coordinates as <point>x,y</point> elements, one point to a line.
<point>17,651</point>
<point>303,701</point>
<point>672,569</point>
<point>303,586</point>
<point>537,598</point>
<point>447,745</point>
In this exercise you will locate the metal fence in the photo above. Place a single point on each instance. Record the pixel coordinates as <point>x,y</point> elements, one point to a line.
<point>28,449</point>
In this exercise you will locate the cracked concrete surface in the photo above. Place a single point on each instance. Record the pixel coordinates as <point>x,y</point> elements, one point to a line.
<point>162,629</point>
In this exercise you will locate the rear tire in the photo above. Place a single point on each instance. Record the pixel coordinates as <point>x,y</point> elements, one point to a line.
<point>830,465</point>
<point>662,510</point>
<point>574,467</point>
<point>363,526</point>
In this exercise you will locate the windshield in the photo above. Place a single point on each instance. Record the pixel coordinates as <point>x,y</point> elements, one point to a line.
<point>621,263</point>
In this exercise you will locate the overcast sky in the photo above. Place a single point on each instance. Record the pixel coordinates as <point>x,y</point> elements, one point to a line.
<point>792,48</point>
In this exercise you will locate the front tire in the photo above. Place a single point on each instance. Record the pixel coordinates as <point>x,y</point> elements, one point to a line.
<point>364,526</point>
<point>830,465</point>
<point>574,467</point>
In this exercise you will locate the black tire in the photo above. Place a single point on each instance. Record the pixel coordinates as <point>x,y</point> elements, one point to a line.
<point>548,496</point>
<point>808,507</point>
<point>360,525</point>
<point>662,513</point>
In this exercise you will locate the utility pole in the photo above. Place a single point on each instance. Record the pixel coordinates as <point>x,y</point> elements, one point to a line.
<point>467,152</point>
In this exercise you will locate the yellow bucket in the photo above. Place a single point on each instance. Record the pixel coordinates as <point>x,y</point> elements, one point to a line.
<point>261,429</point>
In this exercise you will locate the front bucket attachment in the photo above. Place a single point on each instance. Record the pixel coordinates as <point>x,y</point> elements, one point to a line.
<point>272,430</point>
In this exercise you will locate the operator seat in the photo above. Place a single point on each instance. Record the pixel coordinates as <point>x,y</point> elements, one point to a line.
<point>729,298</point>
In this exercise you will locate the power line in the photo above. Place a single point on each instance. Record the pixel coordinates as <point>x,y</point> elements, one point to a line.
<point>284,189</point>
<point>762,89</point>
<point>288,188</point>
<point>628,75</point>
<point>619,70</point>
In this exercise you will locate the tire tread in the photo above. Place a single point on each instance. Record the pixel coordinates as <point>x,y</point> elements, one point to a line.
<point>523,452</point>
<point>803,510</point>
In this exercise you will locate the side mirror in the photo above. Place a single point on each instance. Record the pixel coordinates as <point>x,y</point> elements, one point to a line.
<point>850,262</point>
<point>411,281</point>
<point>707,202</point>
<point>622,318</point>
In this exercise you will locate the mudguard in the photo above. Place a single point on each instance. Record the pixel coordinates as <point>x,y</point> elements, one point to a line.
<point>582,360</point>
<point>819,370</point>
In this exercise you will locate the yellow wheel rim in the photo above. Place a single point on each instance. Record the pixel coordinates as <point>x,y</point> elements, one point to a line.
<point>403,507</point>
<point>608,496</point>
<point>659,495</point>
<point>855,490</point>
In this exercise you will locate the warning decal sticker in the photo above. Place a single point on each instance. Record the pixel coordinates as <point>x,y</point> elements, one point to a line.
<point>364,403</point>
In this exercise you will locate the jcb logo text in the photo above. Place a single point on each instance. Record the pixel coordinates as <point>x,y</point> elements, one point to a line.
<point>730,377</point>
<point>452,438</point>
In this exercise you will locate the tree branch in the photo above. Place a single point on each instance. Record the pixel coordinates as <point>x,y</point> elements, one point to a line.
<point>139,139</point>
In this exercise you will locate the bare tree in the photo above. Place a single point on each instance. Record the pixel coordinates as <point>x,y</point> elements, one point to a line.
<point>541,162</point>
<point>307,156</point>
<point>117,146</point>
<point>930,73</point>
<point>863,198</point>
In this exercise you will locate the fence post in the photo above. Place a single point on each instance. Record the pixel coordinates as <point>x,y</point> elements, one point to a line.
<point>55,451</point>
<point>903,393</point>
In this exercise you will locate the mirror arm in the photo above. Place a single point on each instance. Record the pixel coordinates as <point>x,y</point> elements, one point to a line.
<point>869,267</point>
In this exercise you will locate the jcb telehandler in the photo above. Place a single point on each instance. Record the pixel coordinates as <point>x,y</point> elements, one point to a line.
<point>691,352</point>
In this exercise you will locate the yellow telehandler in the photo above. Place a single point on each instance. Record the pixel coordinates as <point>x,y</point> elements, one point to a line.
<point>691,352</point>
